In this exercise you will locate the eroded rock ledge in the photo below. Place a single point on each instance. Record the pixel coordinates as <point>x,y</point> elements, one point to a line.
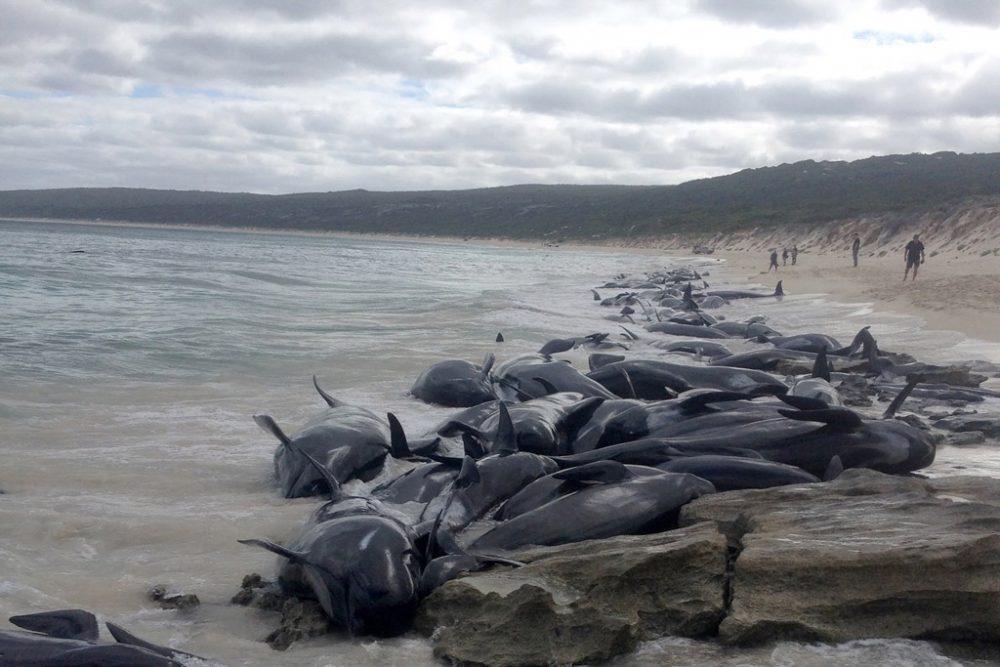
<point>868,555</point>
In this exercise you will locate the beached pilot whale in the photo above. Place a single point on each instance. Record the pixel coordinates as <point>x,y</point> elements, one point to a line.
<point>69,638</point>
<point>610,500</point>
<point>730,294</point>
<point>357,557</point>
<point>648,378</point>
<point>351,442</point>
<point>456,383</point>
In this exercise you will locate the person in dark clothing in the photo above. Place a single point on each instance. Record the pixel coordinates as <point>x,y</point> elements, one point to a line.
<point>856,248</point>
<point>784,256</point>
<point>914,256</point>
<point>795,254</point>
<point>774,261</point>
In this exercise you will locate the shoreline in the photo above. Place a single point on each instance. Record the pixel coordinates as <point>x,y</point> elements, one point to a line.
<point>955,291</point>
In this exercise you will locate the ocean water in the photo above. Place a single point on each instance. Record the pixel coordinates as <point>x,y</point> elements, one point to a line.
<point>131,360</point>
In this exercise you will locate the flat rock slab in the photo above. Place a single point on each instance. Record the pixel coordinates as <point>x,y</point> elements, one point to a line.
<point>866,556</point>
<point>585,602</point>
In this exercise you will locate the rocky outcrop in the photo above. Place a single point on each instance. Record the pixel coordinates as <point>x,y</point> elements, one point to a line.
<point>585,602</point>
<point>985,423</point>
<point>867,556</point>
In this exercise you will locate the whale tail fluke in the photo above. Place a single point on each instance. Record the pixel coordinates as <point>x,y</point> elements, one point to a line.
<point>267,423</point>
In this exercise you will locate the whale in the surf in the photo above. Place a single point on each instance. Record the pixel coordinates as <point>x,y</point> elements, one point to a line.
<point>350,441</point>
<point>363,569</point>
<point>455,383</point>
<point>546,425</point>
<point>533,376</point>
<point>69,638</point>
<point>689,330</point>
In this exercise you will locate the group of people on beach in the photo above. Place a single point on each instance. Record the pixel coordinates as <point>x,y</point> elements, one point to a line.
<point>913,255</point>
<point>785,254</point>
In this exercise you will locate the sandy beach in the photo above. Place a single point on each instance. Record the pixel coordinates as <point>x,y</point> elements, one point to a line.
<point>952,292</point>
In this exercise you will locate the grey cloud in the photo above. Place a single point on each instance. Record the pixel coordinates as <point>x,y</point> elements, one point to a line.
<point>980,96</point>
<point>982,12</point>
<point>700,101</point>
<point>280,60</point>
<point>769,13</point>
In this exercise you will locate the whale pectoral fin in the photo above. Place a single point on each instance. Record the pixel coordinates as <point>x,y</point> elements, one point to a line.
<point>546,385</point>
<point>628,383</point>
<point>698,402</point>
<point>62,624</point>
<point>840,419</point>
<point>468,475</point>
<point>331,481</point>
<point>290,554</point>
<point>335,603</point>
<point>454,427</point>
<point>123,636</point>
<point>267,423</point>
<point>580,414</point>
<point>473,446</point>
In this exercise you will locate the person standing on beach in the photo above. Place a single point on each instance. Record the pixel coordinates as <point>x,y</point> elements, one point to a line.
<point>774,261</point>
<point>784,256</point>
<point>914,256</point>
<point>795,254</point>
<point>856,248</point>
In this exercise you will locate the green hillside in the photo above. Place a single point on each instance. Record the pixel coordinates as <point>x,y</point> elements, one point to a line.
<point>803,192</point>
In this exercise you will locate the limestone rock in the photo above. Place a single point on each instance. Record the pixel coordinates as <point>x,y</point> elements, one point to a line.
<point>584,602</point>
<point>169,598</point>
<point>865,556</point>
<point>986,423</point>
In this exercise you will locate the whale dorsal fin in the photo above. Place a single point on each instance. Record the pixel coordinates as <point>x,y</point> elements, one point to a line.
<point>399,447</point>
<point>821,368</point>
<point>505,442</point>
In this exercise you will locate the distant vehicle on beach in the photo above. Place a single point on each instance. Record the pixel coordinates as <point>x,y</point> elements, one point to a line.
<point>702,250</point>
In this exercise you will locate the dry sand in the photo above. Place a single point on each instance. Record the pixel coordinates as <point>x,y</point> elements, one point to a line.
<point>951,292</point>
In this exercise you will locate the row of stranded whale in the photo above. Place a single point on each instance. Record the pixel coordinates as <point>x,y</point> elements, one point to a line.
<point>541,453</point>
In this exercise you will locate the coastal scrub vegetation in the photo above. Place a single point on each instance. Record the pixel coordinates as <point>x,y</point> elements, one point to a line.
<point>804,192</point>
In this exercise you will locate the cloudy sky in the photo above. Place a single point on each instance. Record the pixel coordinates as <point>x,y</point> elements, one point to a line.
<point>315,95</point>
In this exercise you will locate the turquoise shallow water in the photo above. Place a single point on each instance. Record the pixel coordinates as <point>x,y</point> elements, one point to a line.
<point>131,360</point>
